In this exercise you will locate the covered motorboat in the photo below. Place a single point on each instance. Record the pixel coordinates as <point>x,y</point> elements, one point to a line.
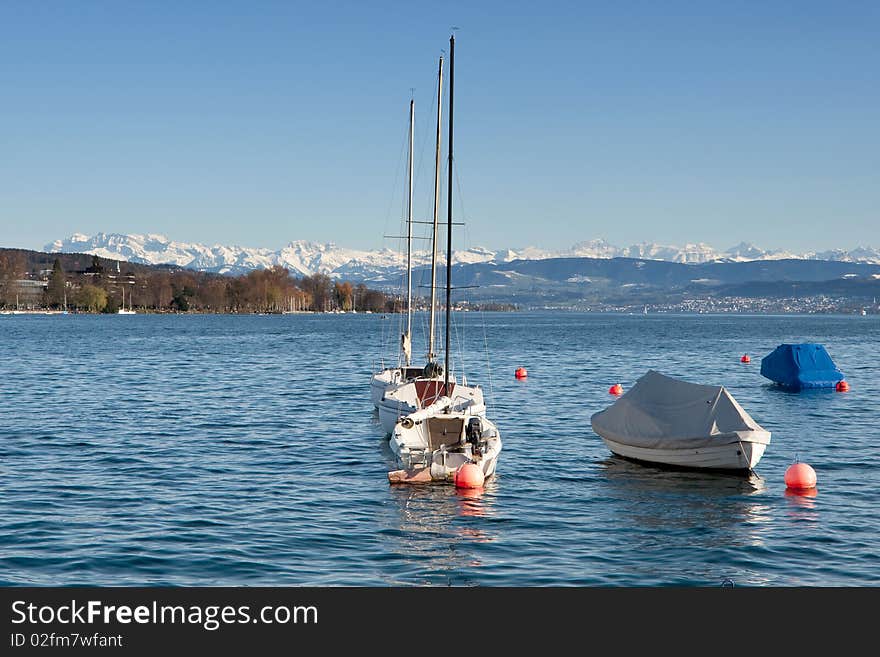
<point>673,422</point>
<point>797,366</point>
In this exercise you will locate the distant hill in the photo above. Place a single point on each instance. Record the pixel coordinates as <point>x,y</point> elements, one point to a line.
<point>25,260</point>
<point>576,279</point>
<point>568,279</point>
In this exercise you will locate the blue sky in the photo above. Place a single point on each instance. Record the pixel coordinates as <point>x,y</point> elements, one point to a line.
<point>257,123</point>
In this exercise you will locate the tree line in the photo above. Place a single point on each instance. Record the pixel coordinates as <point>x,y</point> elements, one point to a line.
<point>25,280</point>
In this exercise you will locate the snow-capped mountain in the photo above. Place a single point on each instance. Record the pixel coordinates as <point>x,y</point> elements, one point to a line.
<point>300,257</point>
<point>745,251</point>
<point>306,258</point>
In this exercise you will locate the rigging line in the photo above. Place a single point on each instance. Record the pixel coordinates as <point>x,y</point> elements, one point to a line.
<point>458,327</point>
<point>397,177</point>
<point>488,362</point>
<point>403,151</point>
<point>460,197</point>
<point>425,193</point>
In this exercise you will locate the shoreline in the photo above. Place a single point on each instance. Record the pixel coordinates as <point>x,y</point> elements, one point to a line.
<point>383,315</point>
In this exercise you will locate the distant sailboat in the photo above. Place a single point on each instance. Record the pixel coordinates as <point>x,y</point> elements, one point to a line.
<point>122,310</point>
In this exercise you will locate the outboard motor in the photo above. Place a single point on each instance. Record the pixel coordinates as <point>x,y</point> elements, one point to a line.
<point>474,434</point>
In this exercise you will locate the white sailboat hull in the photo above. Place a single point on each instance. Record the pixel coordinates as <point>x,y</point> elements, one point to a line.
<point>388,379</point>
<point>741,455</point>
<point>425,454</point>
<point>379,383</point>
<point>403,399</point>
<point>391,410</point>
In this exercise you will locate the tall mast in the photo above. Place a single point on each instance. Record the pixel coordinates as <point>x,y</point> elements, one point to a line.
<point>407,340</point>
<point>449,212</point>
<point>436,214</point>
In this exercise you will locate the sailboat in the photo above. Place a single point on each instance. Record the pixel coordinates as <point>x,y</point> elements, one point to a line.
<point>400,399</point>
<point>390,395</point>
<point>433,442</point>
<point>122,310</point>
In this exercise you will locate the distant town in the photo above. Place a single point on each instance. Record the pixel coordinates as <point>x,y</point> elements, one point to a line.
<point>795,305</point>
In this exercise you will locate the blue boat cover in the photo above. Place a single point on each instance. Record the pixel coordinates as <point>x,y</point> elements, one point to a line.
<point>805,365</point>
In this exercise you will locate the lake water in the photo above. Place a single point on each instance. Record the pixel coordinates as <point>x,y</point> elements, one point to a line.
<point>243,450</point>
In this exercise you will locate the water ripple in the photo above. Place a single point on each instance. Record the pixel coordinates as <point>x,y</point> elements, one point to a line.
<point>202,450</point>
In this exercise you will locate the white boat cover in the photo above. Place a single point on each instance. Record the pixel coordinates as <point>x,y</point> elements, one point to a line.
<point>659,412</point>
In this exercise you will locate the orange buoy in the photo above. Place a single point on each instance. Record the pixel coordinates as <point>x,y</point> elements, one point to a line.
<point>469,475</point>
<point>616,389</point>
<point>800,476</point>
<point>521,373</point>
<point>745,359</point>
<point>842,386</point>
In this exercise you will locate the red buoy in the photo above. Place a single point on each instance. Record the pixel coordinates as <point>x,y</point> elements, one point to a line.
<point>521,373</point>
<point>842,386</point>
<point>745,359</point>
<point>800,476</point>
<point>469,475</point>
<point>616,389</point>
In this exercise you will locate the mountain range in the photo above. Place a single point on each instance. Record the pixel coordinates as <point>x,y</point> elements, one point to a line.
<point>305,258</point>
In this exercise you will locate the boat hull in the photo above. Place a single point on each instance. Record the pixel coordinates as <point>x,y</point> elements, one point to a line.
<point>743,455</point>
<point>388,379</point>
<point>415,445</point>
<point>400,400</point>
<point>442,465</point>
<point>379,383</point>
<point>390,411</point>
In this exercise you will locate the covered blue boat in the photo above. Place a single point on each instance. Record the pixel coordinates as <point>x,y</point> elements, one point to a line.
<point>797,366</point>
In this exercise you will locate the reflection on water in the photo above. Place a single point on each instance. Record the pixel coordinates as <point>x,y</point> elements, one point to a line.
<point>722,508</point>
<point>647,478</point>
<point>470,502</point>
<point>802,504</point>
<point>436,506</point>
<point>802,496</point>
<point>438,528</point>
<point>801,393</point>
